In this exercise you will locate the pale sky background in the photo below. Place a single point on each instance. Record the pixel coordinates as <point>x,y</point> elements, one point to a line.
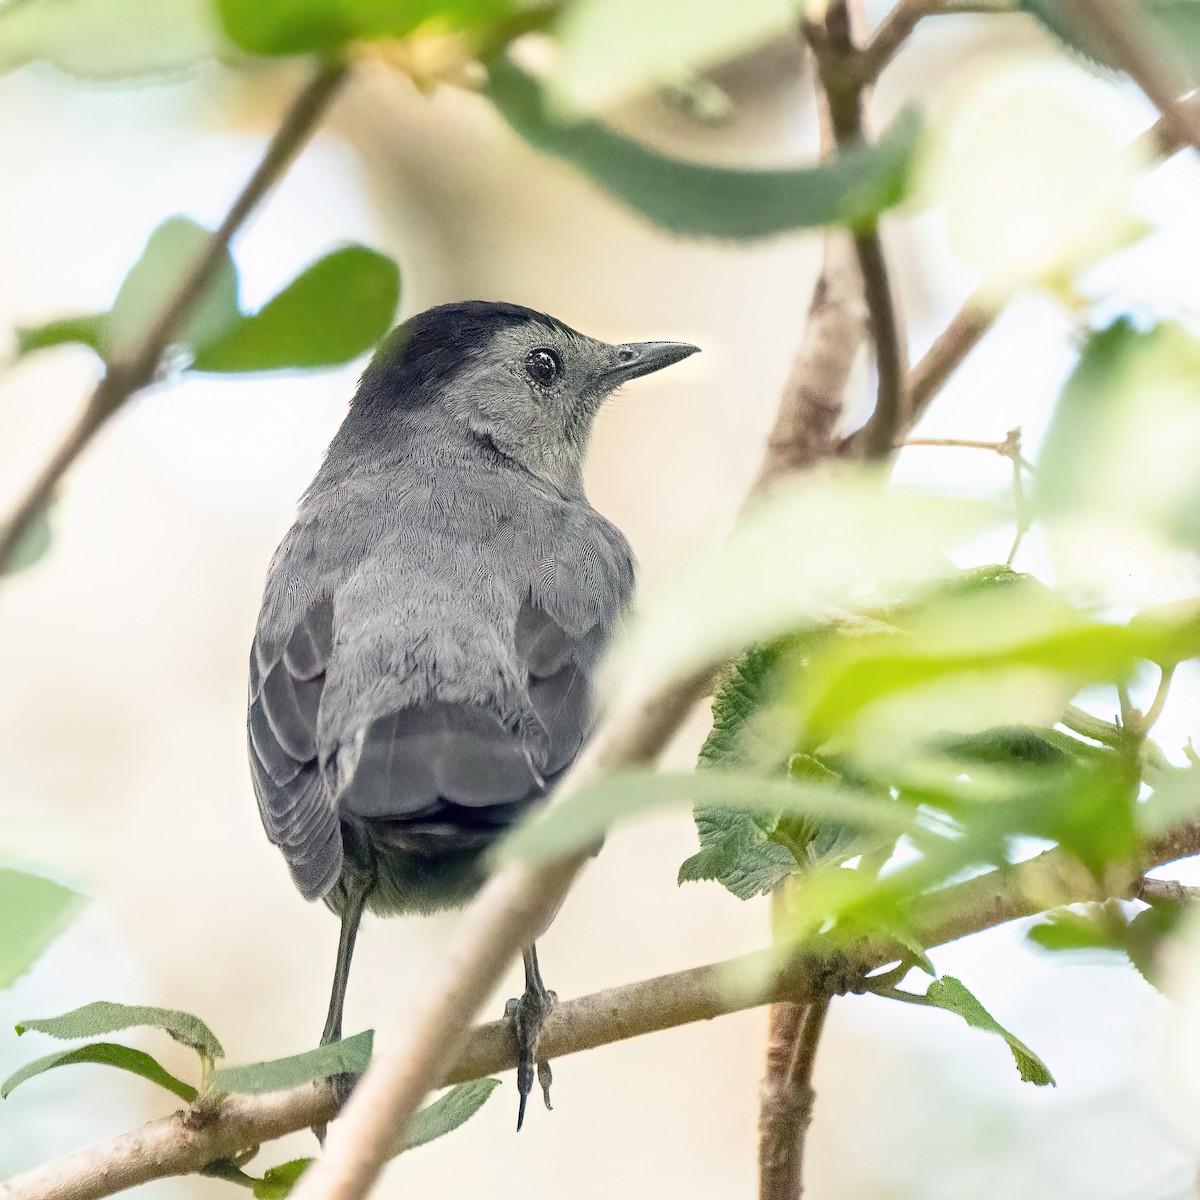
<point>121,718</point>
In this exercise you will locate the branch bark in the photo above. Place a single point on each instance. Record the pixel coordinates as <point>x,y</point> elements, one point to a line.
<point>136,369</point>
<point>169,1146</point>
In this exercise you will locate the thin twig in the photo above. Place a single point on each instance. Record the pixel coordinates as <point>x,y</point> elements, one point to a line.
<point>834,47</point>
<point>1168,889</point>
<point>896,28</point>
<point>169,1146</point>
<point>1146,722</point>
<point>135,368</point>
<point>891,404</point>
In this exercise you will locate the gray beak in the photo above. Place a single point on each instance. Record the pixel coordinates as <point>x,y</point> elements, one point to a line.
<point>641,358</point>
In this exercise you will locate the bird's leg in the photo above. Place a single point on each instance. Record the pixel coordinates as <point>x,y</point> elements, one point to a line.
<point>342,1085</point>
<point>528,1015</point>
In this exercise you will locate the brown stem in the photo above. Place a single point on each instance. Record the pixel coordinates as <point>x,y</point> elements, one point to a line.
<point>891,404</point>
<point>131,371</point>
<point>787,1111</point>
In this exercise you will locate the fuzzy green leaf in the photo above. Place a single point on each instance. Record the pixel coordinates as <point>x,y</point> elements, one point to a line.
<point>736,846</point>
<point>694,200</point>
<point>108,1054</point>
<point>35,911</point>
<point>449,1111</point>
<point>350,1056</point>
<point>582,818</point>
<point>950,993</point>
<point>103,1016</point>
<point>737,851</point>
<point>333,311</point>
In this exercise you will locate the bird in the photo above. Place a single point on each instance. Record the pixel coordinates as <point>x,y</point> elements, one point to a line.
<point>422,671</point>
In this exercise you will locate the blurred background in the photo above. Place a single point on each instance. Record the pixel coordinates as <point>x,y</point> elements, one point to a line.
<point>124,650</point>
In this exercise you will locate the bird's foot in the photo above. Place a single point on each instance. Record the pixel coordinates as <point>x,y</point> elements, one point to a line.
<point>527,1016</point>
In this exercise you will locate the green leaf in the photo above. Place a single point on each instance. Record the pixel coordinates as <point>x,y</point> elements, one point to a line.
<point>851,542</point>
<point>444,1115</point>
<point>600,62</point>
<point>35,911</point>
<point>1172,26</point>
<point>964,663</point>
<point>103,1016</point>
<point>581,819</point>
<point>83,331</point>
<point>950,994</point>
<point>694,200</point>
<point>108,39</point>
<point>350,1056</point>
<point>108,1054</point>
<point>738,852</point>
<point>274,27</point>
<point>32,547</point>
<point>1129,410</point>
<point>737,847</point>
<point>1084,927</point>
<point>335,310</point>
<point>1148,932</point>
<point>449,1111</point>
<point>277,1182</point>
<point>172,250</point>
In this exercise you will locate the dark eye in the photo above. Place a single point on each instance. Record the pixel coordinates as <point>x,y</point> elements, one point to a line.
<point>543,367</point>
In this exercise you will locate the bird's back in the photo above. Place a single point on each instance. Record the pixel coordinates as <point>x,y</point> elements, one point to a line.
<point>422,671</point>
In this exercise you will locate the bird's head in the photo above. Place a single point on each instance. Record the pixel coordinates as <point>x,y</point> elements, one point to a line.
<point>515,381</point>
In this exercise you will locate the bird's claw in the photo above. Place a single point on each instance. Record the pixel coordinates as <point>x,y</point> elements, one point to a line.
<point>527,1015</point>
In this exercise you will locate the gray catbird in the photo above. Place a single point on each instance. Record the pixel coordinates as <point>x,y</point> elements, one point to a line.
<point>421,673</point>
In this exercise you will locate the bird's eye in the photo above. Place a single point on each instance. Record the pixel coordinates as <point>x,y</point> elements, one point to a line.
<point>543,367</point>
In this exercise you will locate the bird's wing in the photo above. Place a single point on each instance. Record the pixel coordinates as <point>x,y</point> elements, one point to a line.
<point>287,676</point>
<point>461,765</point>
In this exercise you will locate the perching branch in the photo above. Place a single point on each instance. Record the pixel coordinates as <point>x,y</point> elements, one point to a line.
<point>168,1146</point>
<point>137,368</point>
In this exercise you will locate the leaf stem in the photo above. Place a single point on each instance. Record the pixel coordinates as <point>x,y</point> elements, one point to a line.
<point>133,371</point>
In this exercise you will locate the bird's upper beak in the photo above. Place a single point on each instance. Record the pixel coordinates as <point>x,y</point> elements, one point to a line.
<point>641,358</point>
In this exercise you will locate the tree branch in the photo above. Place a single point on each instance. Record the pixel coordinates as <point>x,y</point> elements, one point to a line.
<point>896,28</point>
<point>814,395</point>
<point>834,47</point>
<point>169,1146</point>
<point>135,369</point>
